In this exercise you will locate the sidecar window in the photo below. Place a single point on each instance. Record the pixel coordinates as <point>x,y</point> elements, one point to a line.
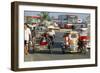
<point>73,35</point>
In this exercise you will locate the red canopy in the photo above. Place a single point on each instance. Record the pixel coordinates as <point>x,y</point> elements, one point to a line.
<point>36,17</point>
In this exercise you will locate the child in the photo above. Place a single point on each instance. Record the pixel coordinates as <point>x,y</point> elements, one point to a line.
<point>66,40</point>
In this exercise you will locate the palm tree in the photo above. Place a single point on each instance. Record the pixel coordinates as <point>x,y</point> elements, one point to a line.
<point>45,18</point>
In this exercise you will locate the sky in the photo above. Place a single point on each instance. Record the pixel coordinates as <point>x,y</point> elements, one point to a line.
<point>55,14</point>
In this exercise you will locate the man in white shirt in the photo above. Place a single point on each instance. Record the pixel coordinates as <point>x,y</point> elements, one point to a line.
<point>51,33</point>
<point>27,34</point>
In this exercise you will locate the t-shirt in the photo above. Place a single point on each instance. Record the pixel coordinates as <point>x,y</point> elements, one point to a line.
<point>27,33</point>
<point>51,33</point>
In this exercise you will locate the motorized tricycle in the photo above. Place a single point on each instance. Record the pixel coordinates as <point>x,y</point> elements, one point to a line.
<point>70,42</point>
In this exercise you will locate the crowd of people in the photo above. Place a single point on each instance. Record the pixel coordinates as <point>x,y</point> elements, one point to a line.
<point>73,39</point>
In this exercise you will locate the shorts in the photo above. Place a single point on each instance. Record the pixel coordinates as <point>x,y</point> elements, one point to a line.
<point>25,42</point>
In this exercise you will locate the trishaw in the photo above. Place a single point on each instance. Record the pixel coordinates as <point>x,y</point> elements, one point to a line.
<point>83,41</point>
<point>75,42</point>
<point>70,42</point>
